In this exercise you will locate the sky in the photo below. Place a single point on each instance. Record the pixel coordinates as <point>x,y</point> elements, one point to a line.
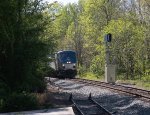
<point>63,1</point>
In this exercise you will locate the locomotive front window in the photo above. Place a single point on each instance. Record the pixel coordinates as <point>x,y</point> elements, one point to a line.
<point>68,57</point>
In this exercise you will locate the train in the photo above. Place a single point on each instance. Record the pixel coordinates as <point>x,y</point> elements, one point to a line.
<point>66,64</point>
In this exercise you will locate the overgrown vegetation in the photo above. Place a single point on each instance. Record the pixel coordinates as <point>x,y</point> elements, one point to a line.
<point>19,102</point>
<point>26,39</point>
<point>30,30</point>
<point>82,27</point>
<point>91,76</point>
<point>143,83</point>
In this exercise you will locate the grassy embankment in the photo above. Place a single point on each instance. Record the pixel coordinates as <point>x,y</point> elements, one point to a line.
<point>143,82</point>
<point>139,82</point>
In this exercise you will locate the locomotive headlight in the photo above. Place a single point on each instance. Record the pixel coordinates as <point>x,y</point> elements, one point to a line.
<point>63,65</point>
<point>74,65</point>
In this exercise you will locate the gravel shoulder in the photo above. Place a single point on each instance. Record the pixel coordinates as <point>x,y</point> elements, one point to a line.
<point>56,97</point>
<point>118,104</point>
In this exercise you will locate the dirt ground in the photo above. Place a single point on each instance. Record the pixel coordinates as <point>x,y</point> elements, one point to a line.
<point>54,97</point>
<point>58,99</point>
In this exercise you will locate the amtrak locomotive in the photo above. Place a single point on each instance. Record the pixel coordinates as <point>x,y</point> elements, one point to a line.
<point>66,64</point>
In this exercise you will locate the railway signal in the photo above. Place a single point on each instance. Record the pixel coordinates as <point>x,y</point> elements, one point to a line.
<point>110,69</point>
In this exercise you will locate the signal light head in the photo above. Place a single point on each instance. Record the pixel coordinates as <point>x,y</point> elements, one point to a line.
<point>108,37</point>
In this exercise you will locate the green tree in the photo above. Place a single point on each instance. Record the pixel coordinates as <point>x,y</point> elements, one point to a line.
<point>127,45</point>
<point>22,45</point>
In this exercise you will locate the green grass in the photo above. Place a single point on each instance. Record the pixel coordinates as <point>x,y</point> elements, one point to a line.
<point>144,83</point>
<point>91,76</point>
<point>137,83</point>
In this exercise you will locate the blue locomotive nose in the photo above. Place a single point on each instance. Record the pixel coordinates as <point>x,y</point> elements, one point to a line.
<point>67,57</point>
<point>66,64</point>
<point>68,60</point>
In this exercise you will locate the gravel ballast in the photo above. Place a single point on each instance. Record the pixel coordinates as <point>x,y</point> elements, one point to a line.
<point>118,104</point>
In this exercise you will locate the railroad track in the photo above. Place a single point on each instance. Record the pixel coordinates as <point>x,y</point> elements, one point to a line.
<point>125,89</point>
<point>88,106</point>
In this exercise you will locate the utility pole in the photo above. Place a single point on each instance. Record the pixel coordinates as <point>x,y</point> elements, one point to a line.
<point>110,68</point>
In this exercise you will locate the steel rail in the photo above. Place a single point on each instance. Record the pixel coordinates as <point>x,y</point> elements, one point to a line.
<point>93,101</point>
<point>148,91</point>
<point>104,109</point>
<point>104,84</point>
<point>117,85</point>
<point>78,109</point>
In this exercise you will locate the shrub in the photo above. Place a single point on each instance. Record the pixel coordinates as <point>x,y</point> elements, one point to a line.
<point>89,75</point>
<point>4,90</point>
<point>19,102</point>
<point>146,78</point>
<point>33,84</point>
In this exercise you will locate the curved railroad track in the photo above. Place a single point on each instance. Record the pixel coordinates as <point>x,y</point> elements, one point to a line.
<point>125,89</point>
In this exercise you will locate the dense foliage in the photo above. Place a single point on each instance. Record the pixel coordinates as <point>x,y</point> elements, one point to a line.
<point>30,30</point>
<point>26,39</point>
<point>83,26</point>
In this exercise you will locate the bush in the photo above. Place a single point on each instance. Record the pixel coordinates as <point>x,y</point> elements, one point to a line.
<point>33,84</point>
<point>50,72</point>
<point>146,78</point>
<point>81,70</point>
<point>4,90</point>
<point>19,102</point>
<point>89,75</point>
